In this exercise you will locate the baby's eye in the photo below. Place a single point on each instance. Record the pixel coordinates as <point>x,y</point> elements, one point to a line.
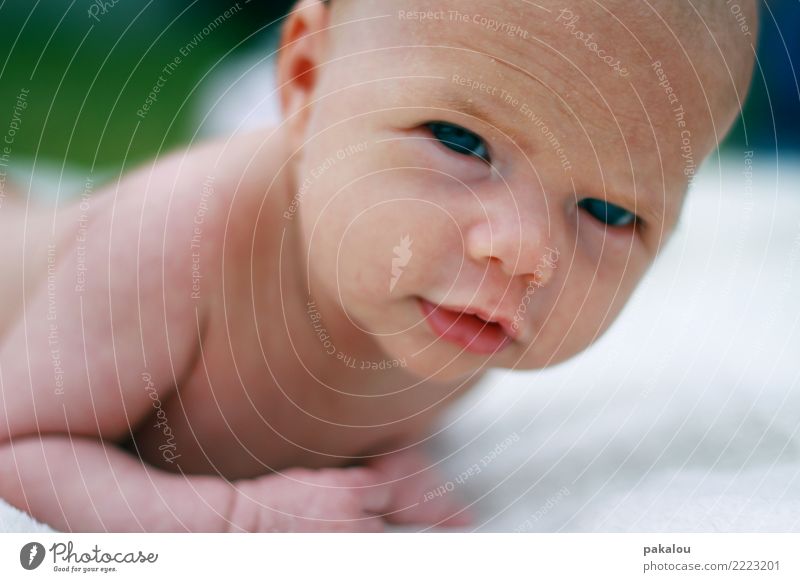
<point>610,214</point>
<point>459,139</point>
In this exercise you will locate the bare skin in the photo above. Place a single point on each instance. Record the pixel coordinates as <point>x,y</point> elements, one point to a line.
<point>215,426</point>
<point>160,364</point>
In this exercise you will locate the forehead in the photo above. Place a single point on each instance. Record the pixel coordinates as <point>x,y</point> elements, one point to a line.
<point>609,78</point>
<point>590,53</point>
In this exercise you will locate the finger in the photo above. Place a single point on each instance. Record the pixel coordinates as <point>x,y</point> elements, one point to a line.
<point>440,512</point>
<point>462,518</point>
<point>375,495</point>
<point>402,463</point>
<point>372,524</point>
<point>376,498</point>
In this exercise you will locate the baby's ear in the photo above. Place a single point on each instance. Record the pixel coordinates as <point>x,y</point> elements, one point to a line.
<point>303,51</point>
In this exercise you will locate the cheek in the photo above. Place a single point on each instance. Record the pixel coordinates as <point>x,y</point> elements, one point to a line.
<point>388,250</point>
<point>591,297</point>
<point>383,237</point>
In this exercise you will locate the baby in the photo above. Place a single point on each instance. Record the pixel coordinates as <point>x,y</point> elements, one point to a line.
<point>260,333</point>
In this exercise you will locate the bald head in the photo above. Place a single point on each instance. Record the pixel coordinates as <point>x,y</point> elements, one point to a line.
<point>705,45</point>
<point>499,130</point>
<point>623,84</point>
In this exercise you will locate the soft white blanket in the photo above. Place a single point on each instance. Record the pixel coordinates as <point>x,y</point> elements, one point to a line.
<point>12,520</point>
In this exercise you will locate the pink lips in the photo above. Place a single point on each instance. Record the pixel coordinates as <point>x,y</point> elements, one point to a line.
<point>470,331</point>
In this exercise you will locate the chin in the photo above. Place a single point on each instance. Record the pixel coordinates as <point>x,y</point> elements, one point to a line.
<point>435,372</point>
<point>437,362</point>
<point>403,336</point>
<point>456,371</point>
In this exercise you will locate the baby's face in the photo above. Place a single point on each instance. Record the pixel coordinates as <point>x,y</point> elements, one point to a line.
<point>526,161</point>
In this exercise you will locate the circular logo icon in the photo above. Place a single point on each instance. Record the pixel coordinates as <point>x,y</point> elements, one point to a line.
<point>31,555</point>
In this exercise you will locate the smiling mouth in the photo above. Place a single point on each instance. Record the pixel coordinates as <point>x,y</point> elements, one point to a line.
<point>468,330</point>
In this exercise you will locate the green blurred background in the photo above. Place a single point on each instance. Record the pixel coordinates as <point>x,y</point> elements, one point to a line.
<point>88,75</point>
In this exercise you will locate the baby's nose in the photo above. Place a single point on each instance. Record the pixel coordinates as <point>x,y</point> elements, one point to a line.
<point>519,247</point>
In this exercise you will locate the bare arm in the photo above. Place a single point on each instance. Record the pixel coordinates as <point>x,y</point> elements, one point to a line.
<point>83,484</point>
<point>108,304</point>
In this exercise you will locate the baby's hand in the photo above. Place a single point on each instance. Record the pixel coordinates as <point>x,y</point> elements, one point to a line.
<point>306,500</point>
<point>419,493</point>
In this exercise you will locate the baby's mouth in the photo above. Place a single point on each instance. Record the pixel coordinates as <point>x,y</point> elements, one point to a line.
<point>464,327</point>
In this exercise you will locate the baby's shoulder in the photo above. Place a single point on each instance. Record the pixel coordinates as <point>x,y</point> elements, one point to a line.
<point>215,187</point>
<point>224,168</point>
<point>213,198</point>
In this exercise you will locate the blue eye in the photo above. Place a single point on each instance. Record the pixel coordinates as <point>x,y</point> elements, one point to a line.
<point>610,214</point>
<point>459,139</point>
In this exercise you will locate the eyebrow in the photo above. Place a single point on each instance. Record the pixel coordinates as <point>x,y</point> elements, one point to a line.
<point>475,107</point>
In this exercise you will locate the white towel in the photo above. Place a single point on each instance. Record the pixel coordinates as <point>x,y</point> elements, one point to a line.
<point>12,520</point>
